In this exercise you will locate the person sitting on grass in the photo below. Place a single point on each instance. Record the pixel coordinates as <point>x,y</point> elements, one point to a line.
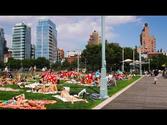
<point>65,94</point>
<point>97,81</point>
<point>111,80</point>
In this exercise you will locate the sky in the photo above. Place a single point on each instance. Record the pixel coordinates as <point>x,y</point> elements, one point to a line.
<point>74,31</point>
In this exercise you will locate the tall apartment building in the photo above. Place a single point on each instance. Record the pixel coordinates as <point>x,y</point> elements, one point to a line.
<point>2,45</point>
<point>32,51</point>
<point>94,38</point>
<point>147,42</point>
<point>60,53</point>
<point>21,42</point>
<point>46,42</point>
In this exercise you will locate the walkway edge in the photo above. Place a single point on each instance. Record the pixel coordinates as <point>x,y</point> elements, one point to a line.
<point>101,105</point>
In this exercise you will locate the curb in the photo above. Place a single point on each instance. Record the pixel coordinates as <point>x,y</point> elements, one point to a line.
<point>101,105</point>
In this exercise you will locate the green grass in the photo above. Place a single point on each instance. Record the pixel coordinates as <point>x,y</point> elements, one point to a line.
<point>120,85</point>
<point>74,89</point>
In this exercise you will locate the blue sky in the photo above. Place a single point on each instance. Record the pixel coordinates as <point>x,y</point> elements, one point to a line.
<point>74,31</point>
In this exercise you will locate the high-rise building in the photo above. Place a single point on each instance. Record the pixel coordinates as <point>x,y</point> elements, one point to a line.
<point>94,39</point>
<point>46,42</point>
<point>32,51</point>
<point>148,43</point>
<point>60,54</point>
<point>21,42</point>
<point>3,47</point>
<point>2,41</point>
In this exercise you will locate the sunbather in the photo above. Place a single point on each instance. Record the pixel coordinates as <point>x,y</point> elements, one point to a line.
<point>65,94</point>
<point>19,102</point>
<point>45,89</point>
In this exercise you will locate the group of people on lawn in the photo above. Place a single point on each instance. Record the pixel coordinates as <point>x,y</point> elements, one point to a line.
<point>48,76</point>
<point>48,81</point>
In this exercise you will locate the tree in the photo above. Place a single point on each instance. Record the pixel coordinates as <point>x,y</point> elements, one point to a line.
<point>113,56</point>
<point>158,61</point>
<point>56,66</point>
<point>42,62</point>
<point>27,63</point>
<point>92,54</point>
<point>2,65</point>
<point>65,64</point>
<point>14,64</point>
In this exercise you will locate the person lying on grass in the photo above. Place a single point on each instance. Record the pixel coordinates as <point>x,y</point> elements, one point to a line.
<point>65,94</point>
<point>19,102</point>
<point>5,81</point>
<point>50,88</point>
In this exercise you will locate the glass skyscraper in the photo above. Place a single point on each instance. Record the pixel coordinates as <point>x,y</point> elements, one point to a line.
<point>21,42</point>
<point>2,44</point>
<point>46,42</point>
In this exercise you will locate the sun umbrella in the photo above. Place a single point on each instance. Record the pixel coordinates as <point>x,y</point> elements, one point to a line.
<point>127,60</point>
<point>163,65</point>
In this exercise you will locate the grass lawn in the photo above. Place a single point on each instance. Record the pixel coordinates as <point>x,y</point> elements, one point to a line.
<point>74,89</point>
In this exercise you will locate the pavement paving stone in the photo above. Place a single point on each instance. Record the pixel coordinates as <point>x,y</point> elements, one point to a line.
<point>142,95</point>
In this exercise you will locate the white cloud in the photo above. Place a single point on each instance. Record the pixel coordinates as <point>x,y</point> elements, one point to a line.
<point>117,20</point>
<point>73,31</point>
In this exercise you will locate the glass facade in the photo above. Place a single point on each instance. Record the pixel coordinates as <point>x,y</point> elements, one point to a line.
<point>46,42</point>
<point>2,44</point>
<point>21,42</point>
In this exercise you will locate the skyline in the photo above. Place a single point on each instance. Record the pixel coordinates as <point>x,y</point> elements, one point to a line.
<point>73,31</point>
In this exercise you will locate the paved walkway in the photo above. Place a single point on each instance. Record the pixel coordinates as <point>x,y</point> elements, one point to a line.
<point>142,95</point>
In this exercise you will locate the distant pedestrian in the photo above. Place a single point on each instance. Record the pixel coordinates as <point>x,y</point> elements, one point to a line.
<point>156,72</point>
<point>6,69</point>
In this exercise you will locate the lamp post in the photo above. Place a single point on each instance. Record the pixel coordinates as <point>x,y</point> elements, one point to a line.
<point>149,64</point>
<point>123,59</point>
<point>103,82</point>
<point>140,62</point>
<point>78,63</point>
<point>134,59</point>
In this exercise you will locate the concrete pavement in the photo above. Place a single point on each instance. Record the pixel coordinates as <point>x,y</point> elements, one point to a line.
<point>142,95</point>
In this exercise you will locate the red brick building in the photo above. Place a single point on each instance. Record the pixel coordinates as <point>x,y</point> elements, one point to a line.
<point>147,42</point>
<point>72,56</point>
<point>72,59</point>
<point>94,38</point>
<point>60,54</point>
<point>7,55</point>
<point>153,54</point>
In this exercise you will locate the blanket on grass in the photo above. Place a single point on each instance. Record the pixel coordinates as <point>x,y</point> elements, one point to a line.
<point>43,92</point>
<point>69,100</point>
<point>9,89</point>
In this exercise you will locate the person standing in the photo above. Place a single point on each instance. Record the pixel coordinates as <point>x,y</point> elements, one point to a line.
<point>156,72</point>
<point>6,69</point>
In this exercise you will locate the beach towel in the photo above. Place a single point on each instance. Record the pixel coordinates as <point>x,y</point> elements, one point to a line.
<point>9,89</point>
<point>66,100</point>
